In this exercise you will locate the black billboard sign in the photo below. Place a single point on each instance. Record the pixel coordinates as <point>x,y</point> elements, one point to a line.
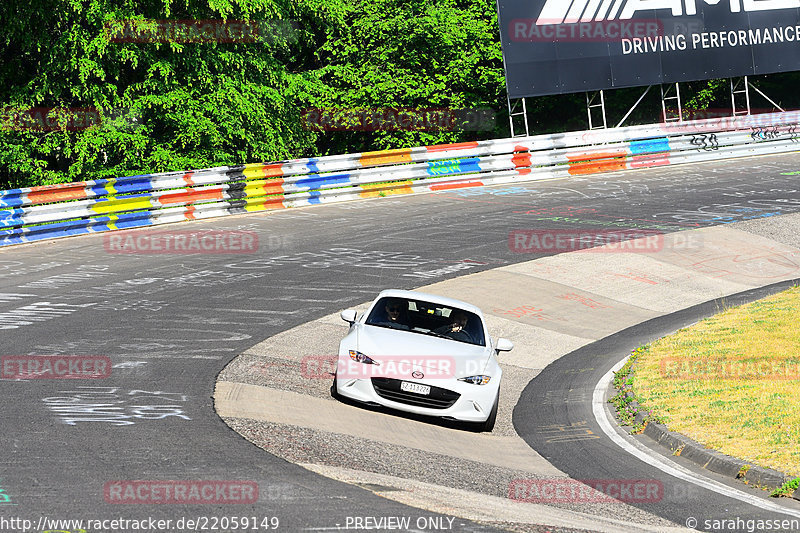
<point>568,46</point>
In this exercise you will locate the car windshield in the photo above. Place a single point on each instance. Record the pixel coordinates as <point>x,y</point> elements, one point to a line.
<point>427,318</point>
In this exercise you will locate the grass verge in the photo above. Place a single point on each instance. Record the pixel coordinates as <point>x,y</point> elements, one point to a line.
<point>730,382</point>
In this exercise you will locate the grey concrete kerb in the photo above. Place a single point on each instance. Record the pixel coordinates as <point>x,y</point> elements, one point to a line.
<point>549,307</point>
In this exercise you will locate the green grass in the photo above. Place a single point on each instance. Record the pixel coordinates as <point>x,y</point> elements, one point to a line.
<point>731,382</point>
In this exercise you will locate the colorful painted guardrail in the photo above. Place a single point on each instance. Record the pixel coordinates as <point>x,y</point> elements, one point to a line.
<point>53,211</point>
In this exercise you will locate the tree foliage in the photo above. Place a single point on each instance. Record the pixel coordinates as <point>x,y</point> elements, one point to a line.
<point>172,105</point>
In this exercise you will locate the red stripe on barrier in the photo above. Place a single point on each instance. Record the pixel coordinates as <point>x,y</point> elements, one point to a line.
<point>448,186</point>
<point>57,193</point>
<point>522,157</point>
<point>650,160</point>
<point>447,147</point>
<point>192,196</point>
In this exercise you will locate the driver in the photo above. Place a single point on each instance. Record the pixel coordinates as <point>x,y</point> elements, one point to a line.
<point>394,313</point>
<point>456,329</point>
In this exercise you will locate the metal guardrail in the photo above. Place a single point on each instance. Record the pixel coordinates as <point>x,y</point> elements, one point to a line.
<point>52,211</point>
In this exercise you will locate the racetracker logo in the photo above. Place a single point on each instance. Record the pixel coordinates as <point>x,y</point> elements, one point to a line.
<point>182,242</point>
<point>574,11</point>
<point>392,366</point>
<point>55,367</point>
<point>180,492</point>
<point>586,491</point>
<point>528,31</point>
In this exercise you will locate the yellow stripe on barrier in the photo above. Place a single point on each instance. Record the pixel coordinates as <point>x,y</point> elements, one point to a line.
<point>372,190</point>
<point>385,157</point>
<point>114,205</point>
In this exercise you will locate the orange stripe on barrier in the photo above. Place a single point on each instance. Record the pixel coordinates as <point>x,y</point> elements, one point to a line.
<point>522,157</point>
<point>595,163</point>
<point>385,157</point>
<point>273,186</point>
<point>57,193</point>
<point>273,171</point>
<point>189,215</point>
<point>448,186</point>
<point>191,196</point>
<point>456,146</point>
<point>188,178</point>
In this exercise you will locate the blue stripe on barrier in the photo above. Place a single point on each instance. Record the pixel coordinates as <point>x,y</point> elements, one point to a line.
<point>134,184</point>
<point>649,146</point>
<point>12,198</point>
<point>454,166</point>
<point>315,197</point>
<point>11,217</point>
<point>317,182</point>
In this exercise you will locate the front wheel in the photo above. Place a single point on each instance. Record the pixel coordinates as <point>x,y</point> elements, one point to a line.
<point>334,392</point>
<point>489,424</point>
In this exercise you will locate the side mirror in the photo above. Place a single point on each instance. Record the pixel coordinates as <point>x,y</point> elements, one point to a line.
<point>349,316</point>
<point>504,345</point>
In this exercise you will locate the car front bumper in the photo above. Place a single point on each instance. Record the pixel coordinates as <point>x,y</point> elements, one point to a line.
<point>473,405</point>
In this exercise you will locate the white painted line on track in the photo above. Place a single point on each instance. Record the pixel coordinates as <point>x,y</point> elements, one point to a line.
<point>643,453</point>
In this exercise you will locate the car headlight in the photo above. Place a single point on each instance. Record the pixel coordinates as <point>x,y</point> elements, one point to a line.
<point>476,380</point>
<point>361,358</point>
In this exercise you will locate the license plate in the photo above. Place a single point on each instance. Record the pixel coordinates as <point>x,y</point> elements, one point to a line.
<point>416,388</point>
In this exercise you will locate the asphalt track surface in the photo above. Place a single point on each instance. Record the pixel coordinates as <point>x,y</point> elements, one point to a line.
<point>170,323</point>
<point>568,384</point>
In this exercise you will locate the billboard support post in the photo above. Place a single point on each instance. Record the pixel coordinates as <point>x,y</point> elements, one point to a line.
<point>634,106</point>
<point>740,86</point>
<point>591,104</point>
<point>767,98</point>
<point>665,95</point>
<point>518,109</point>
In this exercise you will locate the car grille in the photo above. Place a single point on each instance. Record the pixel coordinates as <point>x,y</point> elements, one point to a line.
<point>439,398</point>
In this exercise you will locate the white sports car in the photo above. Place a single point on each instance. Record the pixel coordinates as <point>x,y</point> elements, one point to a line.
<point>422,354</point>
